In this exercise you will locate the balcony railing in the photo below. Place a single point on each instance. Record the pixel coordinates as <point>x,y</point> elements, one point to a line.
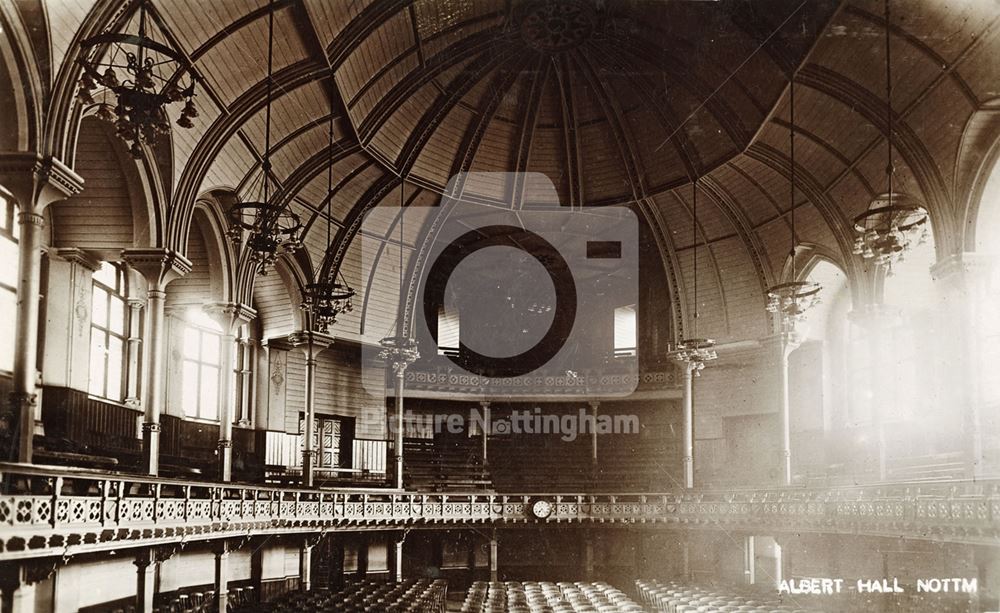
<point>49,511</point>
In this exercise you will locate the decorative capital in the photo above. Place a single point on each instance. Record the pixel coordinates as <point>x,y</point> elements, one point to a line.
<point>158,266</point>
<point>78,256</point>
<point>225,444</point>
<point>963,269</point>
<point>150,427</point>
<point>36,181</point>
<point>230,315</point>
<point>303,339</point>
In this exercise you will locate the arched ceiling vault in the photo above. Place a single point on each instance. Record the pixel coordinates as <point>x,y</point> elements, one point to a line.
<point>617,102</point>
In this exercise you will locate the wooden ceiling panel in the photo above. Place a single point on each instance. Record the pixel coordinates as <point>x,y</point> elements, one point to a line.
<point>660,159</point>
<point>712,320</point>
<point>291,111</point>
<point>605,178</point>
<point>435,159</point>
<point>392,39</point>
<point>229,79</point>
<point>777,238</point>
<point>330,18</point>
<point>381,86</point>
<point>754,203</point>
<point>230,166</point>
<point>939,122</point>
<point>286,159</point>
<point>194,22</point>
<point>389,141</point>
<point>745,314</point>
<point>63,23</point>
<point>712,220</point>
<point>184,141</point>
<point>547,160</point>
<point>980,68</point>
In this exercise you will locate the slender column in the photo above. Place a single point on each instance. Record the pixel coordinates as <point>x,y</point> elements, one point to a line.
<point>877,319</point>
<point>965,279</point>
<point>35,182</point>
<point>485,404</point>
<point>159,267</point>
<point>311,343</point>
<point>397,558</point>
<point>222,577</point>
<point>230,317</point>
<point>687,423</point>
<point>305,566</point>
<point>145,592</point>
<point>133,347</point>
<point>595,406</point>
<point>783,344</point>
<point>494,572</point>
<point>749,560</point>
<point>588,556</point>
<point>400,373</point>
<point>686,559</point>
<point>245,358</point>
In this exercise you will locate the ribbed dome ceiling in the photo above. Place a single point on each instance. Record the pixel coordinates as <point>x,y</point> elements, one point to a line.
<point>610,100</point>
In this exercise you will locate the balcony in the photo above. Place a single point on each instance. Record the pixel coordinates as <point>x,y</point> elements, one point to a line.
<point>47,511</point>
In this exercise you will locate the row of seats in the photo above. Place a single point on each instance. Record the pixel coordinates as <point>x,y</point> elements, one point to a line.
<point>413,596</point>
<point>674,597</point>
<point>445,464</point>
<point>547,597</point>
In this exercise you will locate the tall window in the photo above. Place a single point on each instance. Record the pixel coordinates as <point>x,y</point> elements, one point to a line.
<point>625,331</point>
<point>202,366</point>
<point>8,281</point>
<point>107,333</point>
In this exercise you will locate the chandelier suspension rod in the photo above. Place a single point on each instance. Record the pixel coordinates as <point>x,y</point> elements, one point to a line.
<point>329,178</point>
<point>889,170</point>
<point>694,242</point>
<point>266,166</point>
<point>791,152</point>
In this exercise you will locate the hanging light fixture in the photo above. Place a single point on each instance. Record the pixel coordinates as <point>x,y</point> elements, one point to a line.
<point>153,75</point>
<point>399,351</point>
<point>792,299</point>
<point>325,300</point>
<point>694,351</point>
<point>269,229</point>
<point>893,221</point>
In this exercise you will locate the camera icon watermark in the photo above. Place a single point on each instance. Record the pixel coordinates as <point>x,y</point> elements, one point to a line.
<point>502,301</point>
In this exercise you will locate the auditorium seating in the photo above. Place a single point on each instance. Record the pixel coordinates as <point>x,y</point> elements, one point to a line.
<point>675,597</point>
<point>547,597</point>
<point>445,464</point>
<point>423,596</point>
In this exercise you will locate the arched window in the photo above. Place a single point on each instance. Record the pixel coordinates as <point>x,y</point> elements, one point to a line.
<point>8,281</point>
<point>108,331</point>
<point>202,364</point>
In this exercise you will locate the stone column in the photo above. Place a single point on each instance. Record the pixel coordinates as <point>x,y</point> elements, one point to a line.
<point>159,267</point>
<point>222,577</point>
<point>486,420</point>
<point>397,558</point>
<point>305,566</point>
<point>311,343</point>
<point>494,571</point>
<point>35,182</point>
<point>133,376</point>
<point>246,356</point>
<point>230,317</point>
<point>687,422</point>
<point>749,560</point>
<point>965,279</point>
<point>781,346</point>
<point>588,556</point>
<point>145,592</point>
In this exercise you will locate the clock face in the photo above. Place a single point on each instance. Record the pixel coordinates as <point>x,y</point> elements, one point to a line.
<point>541,509</point>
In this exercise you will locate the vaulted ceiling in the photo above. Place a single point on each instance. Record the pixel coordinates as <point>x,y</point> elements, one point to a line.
<point>615,101</point>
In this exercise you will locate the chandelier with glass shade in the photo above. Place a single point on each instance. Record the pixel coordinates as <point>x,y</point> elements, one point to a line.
<point>694,352</point>
<point>266,227</point>
<point>142,75</point>
<point>894,221</point>
<point>790,300</point>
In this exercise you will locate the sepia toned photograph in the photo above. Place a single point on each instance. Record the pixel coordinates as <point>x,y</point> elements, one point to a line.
<point>499,306</point>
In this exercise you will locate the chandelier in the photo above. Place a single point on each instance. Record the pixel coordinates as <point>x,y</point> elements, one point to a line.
<point>893,221</point>
<point>325,300</point>
<point>150,79</point>
<point>399,351</point>
<point>790,300</point>
<point>268,229</point>
<point>694,352</point>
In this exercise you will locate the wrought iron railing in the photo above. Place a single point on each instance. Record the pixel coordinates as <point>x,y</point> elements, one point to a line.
<point>51,511</point>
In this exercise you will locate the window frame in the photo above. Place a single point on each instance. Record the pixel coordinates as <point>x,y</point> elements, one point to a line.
<point>201,365</point>
<point>9,232</point>
<point>118,293</point>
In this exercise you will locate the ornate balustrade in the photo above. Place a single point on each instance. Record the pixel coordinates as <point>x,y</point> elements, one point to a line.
<point>46,511</point>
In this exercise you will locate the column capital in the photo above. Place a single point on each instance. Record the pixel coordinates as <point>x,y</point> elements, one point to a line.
<point>230,315</point>
<point>875,316</point>
<point>786,341</point>
<point>963,267</point>
<point>158,266</point>
<point>78,256</point>
<point>303,339</point>
<point>36,181</point>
